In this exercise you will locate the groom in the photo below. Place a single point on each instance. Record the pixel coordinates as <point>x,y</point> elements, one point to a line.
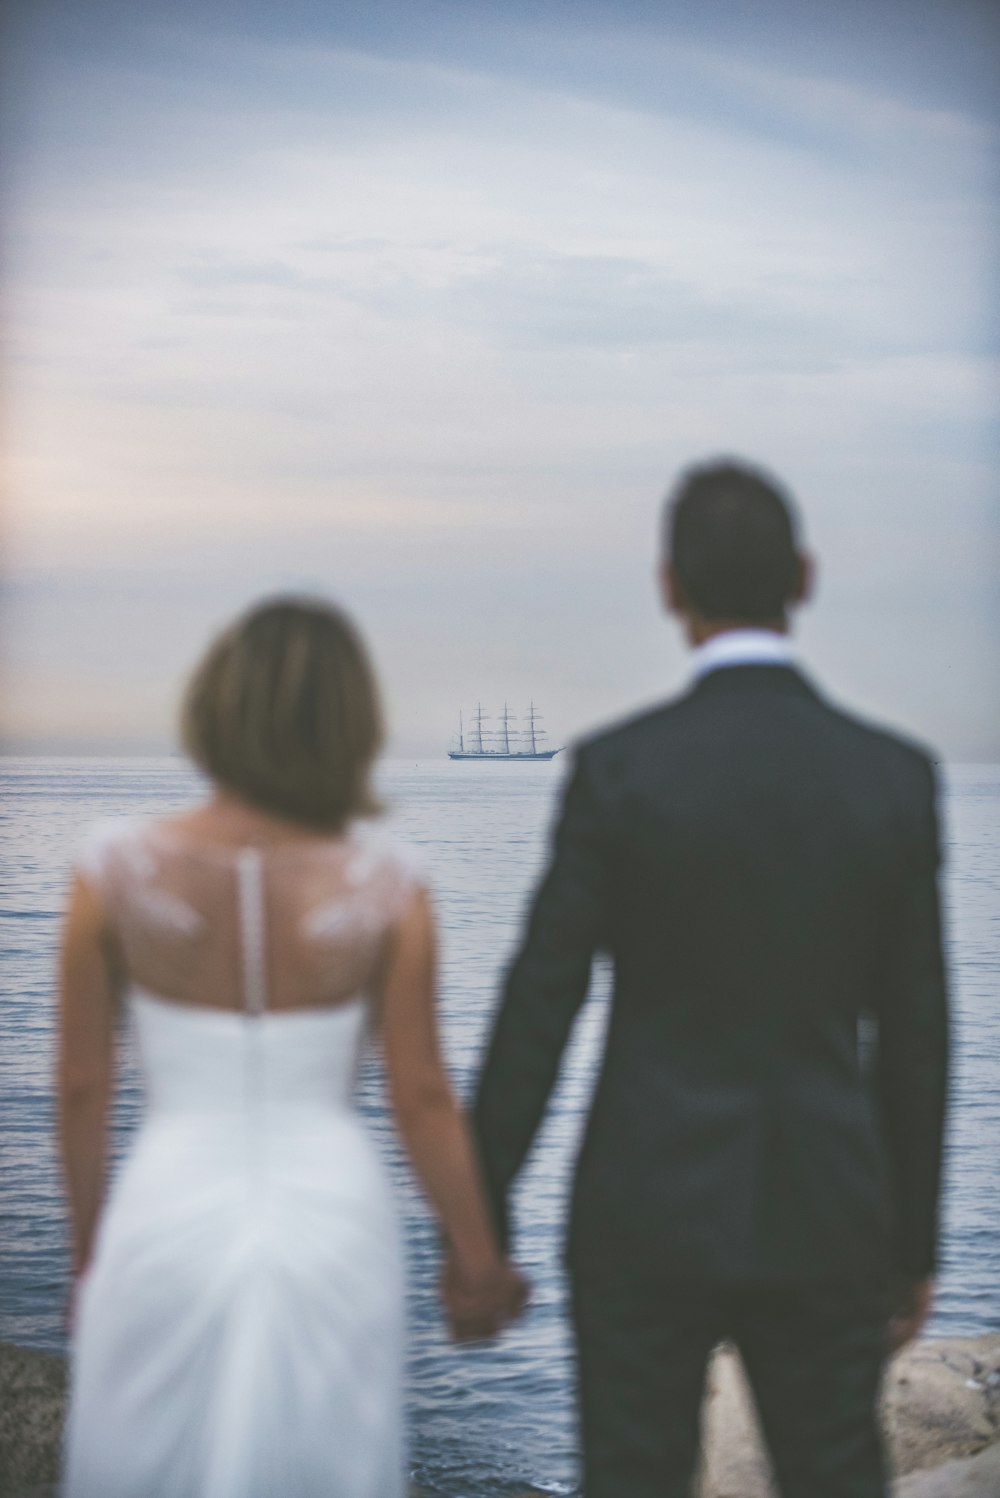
<point>761,869</point>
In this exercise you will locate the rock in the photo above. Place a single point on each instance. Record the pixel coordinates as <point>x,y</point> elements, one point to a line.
<point>943,1401</point>
<point>32,1394</point>
<point>733,1460</point>
<point>976,1477</point>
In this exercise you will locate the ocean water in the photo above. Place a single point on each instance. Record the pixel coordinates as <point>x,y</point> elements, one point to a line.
<point>484,1420</point>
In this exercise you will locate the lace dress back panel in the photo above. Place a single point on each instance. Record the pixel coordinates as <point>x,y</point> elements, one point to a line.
<point>296,926</point>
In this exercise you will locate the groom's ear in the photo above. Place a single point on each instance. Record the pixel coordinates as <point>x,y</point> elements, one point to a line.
<point>805,587</point>
<point>671,591</point>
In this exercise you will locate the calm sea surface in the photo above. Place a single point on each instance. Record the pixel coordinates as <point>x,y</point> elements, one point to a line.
<point>483,1420</point>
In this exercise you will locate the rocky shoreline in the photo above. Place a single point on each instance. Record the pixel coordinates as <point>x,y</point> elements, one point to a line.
<point>942,1412</point>
<point>942,1417</point>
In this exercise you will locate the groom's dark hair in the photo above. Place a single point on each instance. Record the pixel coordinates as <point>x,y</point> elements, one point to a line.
<point>730,536</point>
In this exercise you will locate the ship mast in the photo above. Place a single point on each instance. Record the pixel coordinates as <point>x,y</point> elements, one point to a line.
<point>461,735</point>
<point>478,721</point>
<point>506,734</point>
<point>533,718</point>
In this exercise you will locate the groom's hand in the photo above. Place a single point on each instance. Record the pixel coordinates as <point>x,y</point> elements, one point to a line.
<point>480,1304</point>
<point>913,1300</point>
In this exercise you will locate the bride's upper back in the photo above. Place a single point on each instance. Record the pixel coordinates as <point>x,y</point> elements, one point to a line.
<point>299,925</point>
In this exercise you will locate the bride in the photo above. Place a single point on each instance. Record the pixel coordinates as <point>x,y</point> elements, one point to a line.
<point>238,1316</point>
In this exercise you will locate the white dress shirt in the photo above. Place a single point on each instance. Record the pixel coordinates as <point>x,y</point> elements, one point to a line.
<point>742,647</point>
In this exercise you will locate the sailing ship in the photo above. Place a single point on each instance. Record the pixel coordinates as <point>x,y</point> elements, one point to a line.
<point>504,742</point>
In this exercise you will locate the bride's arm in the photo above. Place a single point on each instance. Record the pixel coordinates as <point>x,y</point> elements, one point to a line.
<point>434,1129</point>
<point>87,1006</point>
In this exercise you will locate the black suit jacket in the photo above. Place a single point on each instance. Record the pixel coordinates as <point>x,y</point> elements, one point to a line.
<point>762,870</point>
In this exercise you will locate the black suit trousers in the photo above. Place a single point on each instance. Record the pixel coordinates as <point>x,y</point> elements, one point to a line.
<point>813,1354</point>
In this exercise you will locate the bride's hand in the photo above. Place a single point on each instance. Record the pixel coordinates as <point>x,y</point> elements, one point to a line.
<point>480,1303</point>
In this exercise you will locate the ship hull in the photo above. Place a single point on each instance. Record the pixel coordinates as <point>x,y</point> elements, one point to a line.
<point>538,754</point>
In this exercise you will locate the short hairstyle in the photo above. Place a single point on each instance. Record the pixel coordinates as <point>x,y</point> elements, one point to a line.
<point>284,711</point>
<point>731,536</point>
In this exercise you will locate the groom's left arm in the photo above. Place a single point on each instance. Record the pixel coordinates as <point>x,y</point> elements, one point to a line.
<point>544,989</point>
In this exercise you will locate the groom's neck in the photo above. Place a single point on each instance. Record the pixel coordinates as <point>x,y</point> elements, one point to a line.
<point>700,629</point>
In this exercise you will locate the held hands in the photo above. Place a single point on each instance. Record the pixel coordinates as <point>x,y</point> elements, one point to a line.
<point>912,1302</point>
<point>480,1302</point>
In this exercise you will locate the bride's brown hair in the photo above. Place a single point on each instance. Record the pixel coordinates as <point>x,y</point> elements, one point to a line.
<point>284,710</point>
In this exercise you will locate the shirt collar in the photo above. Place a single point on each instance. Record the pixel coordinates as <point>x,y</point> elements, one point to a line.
<point>742,647</point>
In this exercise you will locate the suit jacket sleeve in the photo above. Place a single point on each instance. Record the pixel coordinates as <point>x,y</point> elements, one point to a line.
<point>913,1047</point>
<point>544,989</point>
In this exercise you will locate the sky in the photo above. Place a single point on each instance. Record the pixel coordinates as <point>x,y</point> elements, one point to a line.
<point>423,307</point>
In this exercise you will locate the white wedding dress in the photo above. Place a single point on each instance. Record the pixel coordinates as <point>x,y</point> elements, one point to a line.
<point>239,1333</point>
